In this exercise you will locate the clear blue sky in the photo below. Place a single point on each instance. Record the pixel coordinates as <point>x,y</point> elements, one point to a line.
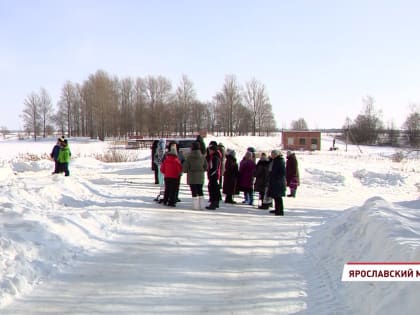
<point>318,59</point>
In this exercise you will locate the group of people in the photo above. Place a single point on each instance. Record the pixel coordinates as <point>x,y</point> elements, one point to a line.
<point>269,177</point>
<point>61,155</point>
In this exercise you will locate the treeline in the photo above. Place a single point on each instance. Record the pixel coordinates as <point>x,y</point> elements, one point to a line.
<point>106,106</point>
<point>368,128</point>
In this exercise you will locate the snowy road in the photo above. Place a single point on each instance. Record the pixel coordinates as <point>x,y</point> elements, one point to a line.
<point>184,262</point>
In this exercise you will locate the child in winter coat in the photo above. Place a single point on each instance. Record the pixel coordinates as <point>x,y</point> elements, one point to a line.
<point>54,155</point>
<point>171,169</point>
<point>63,158</point>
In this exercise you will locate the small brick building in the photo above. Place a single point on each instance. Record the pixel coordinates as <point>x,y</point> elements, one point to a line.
<point>301,140</point>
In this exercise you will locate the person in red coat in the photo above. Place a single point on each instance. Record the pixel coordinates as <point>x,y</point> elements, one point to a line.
<point>171,169</point>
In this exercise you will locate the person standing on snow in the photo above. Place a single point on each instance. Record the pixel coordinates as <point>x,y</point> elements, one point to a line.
<point>154,167</point>
<point>158,160</point>
<point>246,177</point>
<point>195,166</point>
<point>174,145</point>
<point>261,181</point>
<point>171,168</point>
<point>213,176</point>
<point>277,181</point>
<point>63,158</point>
<point>292,173</point>
<point>230,176</point>
<point>54,155</point>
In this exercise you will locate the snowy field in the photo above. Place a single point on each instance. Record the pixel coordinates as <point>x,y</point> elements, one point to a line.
<point>96,243</point>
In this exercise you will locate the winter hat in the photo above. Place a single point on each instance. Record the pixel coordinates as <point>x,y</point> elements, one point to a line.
<point>213,147</point>
<point>289,153</point>
<point>231,152</point>
<point>212,143</point>
<point>275,152</point>
<point>61,139</point>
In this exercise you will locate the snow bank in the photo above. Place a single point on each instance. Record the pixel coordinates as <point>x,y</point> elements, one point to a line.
<point>377,231</point>
<point>38,235</point>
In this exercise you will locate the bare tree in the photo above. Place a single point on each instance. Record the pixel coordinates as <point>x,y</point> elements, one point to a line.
<point>228,100</point>
<point>199,116</point>
<point>299,124</point>
<point>31,114</point>
<point>66,104</point>
<point>45,110</point>
<point>185,98</point>
<point>366,127</point>
<point>4,131</point>
<point>127,106</point>
<point>158,95</point>
<point>412,126</point>
<point>140,106</point>
<point>101,101</point>
<point>256,100</point>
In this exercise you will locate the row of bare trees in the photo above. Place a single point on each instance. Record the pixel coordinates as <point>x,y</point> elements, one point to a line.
<point>104,106</point>
<point>368,128</point>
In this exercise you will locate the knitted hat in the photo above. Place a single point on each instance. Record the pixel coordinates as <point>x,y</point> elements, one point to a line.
<point>275,152</point>
<point>231,152</point>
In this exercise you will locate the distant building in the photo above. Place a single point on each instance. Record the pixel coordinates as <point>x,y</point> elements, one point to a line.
<point>301,140</point>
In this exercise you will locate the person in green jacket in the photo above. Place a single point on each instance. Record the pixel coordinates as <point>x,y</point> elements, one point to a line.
<point>64,157</point>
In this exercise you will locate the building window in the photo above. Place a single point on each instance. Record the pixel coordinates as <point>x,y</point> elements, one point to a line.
<point>302,141</point>
<point>314,141</point>
<point>291,141</point>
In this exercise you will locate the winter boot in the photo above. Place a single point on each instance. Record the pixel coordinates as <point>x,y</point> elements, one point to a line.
<point>201,202</point>
<point>195,203</point>
<point>212,206</point>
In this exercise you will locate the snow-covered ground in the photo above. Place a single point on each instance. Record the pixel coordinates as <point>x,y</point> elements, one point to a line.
<point>96,243</point>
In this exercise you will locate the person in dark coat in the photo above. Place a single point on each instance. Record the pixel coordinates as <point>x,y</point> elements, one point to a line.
<point>219,153</point>
<point>213,176</point>
<point>154,167</point>
<point>230,178</point>
<point>203,148</point>
<point>277,181</point>
<point>261,181</point>
<point>54,155</point>
<point>246,177</point>
<point>171,168</point>
<point>292,173</point>
<point>195,166</point>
